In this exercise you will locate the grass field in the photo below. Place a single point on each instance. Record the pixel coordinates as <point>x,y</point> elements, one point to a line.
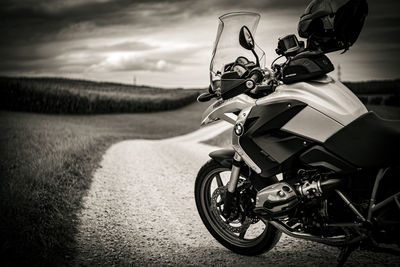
<point>67,96</point>
<point>46,166</point>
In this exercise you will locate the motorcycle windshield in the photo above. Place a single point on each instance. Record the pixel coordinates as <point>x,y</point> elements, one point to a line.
<point>227,47</point>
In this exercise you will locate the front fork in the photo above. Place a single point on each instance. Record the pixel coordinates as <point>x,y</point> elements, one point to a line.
<point>233,181</point>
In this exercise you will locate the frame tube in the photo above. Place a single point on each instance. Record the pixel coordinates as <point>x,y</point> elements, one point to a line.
<point>379,177</point>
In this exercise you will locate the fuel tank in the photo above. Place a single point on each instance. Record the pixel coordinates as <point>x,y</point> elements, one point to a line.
<point>330,107</point>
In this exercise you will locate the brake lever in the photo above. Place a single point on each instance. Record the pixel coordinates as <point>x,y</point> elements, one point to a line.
<point>204,97</point>
<point>264,88</point>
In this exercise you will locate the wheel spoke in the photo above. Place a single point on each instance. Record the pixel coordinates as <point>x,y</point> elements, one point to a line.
<point>239,229</point>
<point>243,232</point>
<point>219,180</point>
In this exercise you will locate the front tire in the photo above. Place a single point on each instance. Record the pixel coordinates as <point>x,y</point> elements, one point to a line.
<point>209,183</point>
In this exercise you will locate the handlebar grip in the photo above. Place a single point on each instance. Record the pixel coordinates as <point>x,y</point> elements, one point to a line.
<point>255,77</point>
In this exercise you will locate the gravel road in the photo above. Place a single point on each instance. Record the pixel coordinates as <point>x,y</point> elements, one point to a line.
<point>140,210</point>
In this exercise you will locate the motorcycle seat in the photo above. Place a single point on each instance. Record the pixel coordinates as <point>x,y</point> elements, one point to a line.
<point>368,141</point>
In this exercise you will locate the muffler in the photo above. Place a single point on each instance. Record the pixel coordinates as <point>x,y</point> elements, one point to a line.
<point>337,241</point>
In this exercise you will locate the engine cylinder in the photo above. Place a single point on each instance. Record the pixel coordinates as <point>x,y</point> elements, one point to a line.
<point>276,199</point>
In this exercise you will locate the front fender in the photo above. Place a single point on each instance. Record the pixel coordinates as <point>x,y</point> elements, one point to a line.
<point>223,157</point>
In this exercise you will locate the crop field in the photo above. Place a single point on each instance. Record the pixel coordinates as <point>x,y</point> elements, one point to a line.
<point>67,96</point>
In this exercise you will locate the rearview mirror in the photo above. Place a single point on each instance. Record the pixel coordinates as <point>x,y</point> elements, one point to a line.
<point>246,39</point>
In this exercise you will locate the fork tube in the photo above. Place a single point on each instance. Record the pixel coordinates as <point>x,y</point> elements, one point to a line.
<point>237,160</point>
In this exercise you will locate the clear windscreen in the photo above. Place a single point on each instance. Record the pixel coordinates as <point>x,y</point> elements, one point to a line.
<point>227,47</point>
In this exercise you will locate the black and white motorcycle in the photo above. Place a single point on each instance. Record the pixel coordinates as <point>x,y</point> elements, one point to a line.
<point>308,159</point>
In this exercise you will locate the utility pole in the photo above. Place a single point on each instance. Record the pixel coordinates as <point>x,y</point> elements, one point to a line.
<point>339,73</point>
<point>134,80</point>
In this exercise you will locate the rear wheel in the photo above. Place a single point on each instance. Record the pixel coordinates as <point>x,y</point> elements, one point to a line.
<point>243,232</point>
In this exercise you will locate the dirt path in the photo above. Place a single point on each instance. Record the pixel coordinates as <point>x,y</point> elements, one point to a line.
<point>140,210</point>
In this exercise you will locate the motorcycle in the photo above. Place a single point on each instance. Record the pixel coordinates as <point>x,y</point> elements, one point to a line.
<point>307,159</point>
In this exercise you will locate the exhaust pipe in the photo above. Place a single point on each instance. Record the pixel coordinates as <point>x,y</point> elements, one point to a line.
<point>316,188</point>
<point>337,241</point>
<point>330,184</point>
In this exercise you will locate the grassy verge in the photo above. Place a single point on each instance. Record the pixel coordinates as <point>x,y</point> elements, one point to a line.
<point>46,165</point>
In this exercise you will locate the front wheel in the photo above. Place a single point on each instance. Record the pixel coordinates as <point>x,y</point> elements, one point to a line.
<point>243,233</point>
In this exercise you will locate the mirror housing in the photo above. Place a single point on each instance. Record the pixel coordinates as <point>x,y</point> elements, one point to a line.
<point>246,39</point>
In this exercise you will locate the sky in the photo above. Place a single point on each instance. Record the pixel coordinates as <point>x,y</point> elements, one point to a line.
<point>167,43</point>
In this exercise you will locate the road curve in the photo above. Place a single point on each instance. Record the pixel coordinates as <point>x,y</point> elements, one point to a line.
<point>140,210</point>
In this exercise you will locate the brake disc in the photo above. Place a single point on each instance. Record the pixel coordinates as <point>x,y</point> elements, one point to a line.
<point>236,226</point>
<point>247,202</point>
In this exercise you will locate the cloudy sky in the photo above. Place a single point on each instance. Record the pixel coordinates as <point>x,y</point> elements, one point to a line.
<point>167,43</point>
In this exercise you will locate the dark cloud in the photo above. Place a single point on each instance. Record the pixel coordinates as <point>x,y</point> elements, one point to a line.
<point>26,21</point>
<point>37,20</point>
<point>70,35</point>
<point>23,22</point>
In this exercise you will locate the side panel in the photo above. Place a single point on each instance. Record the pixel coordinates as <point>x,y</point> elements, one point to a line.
<point>317,156</point>
<point>368,141</point>
<point>312,124</point>
<point>224,109</point>
<point>279,147</point>
<point>268,146</point>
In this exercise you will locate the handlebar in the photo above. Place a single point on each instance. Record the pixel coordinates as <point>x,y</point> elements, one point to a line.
<point>255,76</point>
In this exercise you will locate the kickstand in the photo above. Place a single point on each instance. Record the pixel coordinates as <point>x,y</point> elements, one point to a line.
<point>344,254</point>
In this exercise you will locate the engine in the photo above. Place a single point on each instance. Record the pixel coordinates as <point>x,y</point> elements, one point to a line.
<point>279,199</point>
<point>276,199</point>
